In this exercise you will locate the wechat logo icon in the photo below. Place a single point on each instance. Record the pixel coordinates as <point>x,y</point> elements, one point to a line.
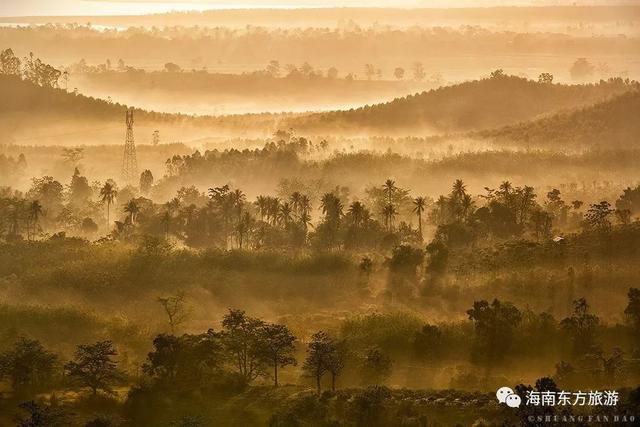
<point>507,396</point>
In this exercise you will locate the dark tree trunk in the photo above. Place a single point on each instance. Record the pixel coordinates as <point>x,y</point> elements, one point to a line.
<point>275,373</point>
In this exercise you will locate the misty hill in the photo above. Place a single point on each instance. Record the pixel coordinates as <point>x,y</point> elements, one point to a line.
<point>475,105</point>
<point>41,115</point>
<point>30,112</point>
<point>612,123</point>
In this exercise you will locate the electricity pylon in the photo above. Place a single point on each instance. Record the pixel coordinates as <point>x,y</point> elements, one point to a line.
<point>129,160</point>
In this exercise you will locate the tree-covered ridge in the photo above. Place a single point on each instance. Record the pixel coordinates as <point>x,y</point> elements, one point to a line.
<point>480,104</point>
<point>609,124</point>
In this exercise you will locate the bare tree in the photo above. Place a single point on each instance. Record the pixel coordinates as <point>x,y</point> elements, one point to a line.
<point>176,309</point>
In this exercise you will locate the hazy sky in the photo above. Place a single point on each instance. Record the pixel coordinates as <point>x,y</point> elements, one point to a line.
<point>100,7</point>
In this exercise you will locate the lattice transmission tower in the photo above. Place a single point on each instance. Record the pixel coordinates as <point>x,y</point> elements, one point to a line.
<point>129,160</point>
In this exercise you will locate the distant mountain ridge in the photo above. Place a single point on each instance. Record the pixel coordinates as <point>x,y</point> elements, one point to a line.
<point>470,106</point>
<point>500,107</point>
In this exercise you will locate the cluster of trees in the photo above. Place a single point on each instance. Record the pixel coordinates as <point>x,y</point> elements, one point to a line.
<point>386,217</point>
<point>30,368</point>
<point>248,350</point>
<point>31,69</point>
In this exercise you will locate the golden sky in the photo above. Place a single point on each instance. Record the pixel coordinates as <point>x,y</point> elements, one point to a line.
<point>102,7</point>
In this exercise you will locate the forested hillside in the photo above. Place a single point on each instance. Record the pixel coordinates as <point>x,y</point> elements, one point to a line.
<point>613,123</point>
<point>480,104</point>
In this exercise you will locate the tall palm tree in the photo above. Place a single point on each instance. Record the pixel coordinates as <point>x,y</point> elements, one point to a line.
<point>274,209</point>
<point>390,213</point>
<point>389,189</point>
<point>237,199</point>
<point>459,189</point>
<point>305,220</point>
<point>132,209</point>
<point>331,207</point>
<point>108,195</point>
<point>35,211</point>
<point>305,205</point>
<point>296,200</point>
<point>467,205</point>
<point>262,202</point>
<point>243,228</point>
<point>419,204</point>
<point>357,209</point>
<point>284,216</point>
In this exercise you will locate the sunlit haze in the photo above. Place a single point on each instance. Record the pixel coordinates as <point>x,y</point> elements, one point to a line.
<point>314,213</point>
<point>100,7</point>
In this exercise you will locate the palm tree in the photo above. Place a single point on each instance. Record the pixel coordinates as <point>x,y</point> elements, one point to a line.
<point>108,194</point>
<point>357,210</point>
<point>389,189</point>
<point>274,209</point>
<point>389,212</point>
<point>132,209</point>
<point>459,189</point>
<point>331,207</point>
<point>284,216</point>
<point>237,200</point>
<point>243,227</point>
<point>262,202</point>
<point>305,205</point>
<point>505,189</point>
<point>458,194</point>
<point>419,204</point>
<point>35,211</point>
<point>296,199</point>
<point>467,205</point>
<point>305,220</point>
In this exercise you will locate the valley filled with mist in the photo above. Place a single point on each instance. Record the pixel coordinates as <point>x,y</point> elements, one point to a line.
<point>319,217</point>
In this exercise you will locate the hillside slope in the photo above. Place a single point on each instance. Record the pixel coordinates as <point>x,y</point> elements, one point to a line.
<point>609,124</point>
<point>37,115</point>
<point>30,112</point>
<point>475,105</point>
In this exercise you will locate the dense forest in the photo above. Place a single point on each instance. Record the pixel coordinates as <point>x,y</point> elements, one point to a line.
<point>611,121</point>
<point>547,263</point>
<point>386,234</point>
<point>345,252</point>
<point>479,104</point>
